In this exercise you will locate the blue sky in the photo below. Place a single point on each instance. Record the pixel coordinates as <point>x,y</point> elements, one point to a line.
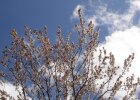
<point>35,14</point>
<point>119,22</point>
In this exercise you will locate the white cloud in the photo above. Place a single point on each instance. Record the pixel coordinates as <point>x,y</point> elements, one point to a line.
<point>10,89</point>
<point>115,20</point>
<point>104,15</point>
<point>123,43</point>
<point>135,3</point>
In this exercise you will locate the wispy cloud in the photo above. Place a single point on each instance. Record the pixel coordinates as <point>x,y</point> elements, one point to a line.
<point>103,15</point>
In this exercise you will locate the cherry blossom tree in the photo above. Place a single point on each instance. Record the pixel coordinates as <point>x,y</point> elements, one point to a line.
<point>63,70</point>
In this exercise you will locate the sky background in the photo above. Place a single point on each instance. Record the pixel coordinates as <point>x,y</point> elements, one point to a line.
<point>119,22</point>
<point>35,14</point>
